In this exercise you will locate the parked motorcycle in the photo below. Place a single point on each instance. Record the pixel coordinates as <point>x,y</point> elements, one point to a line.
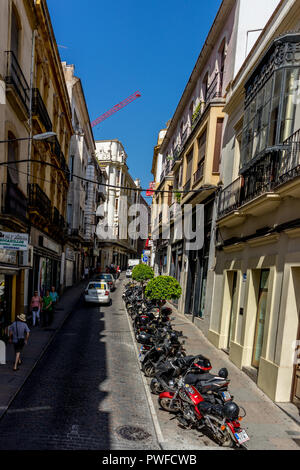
<point>211,409</point>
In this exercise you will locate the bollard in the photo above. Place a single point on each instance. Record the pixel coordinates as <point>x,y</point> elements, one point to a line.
<point>2,352</point>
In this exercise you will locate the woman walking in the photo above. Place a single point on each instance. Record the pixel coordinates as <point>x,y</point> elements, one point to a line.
<point>35,307</point>
<point>47,308</point>
<point>18,335</point>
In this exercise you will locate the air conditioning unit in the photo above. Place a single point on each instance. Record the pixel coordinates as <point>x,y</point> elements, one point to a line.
<point>26,258</point>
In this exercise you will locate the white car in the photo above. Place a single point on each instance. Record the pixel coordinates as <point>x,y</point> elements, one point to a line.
<point>129,272</point>
<point>97,292</point>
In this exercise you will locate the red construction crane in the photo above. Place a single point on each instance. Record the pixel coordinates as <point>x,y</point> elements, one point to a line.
<point>116,108</point>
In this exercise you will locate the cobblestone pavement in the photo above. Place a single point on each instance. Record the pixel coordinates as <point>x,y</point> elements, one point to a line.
<point>87,390</point>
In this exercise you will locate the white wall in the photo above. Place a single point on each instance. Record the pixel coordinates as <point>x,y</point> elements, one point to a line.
<point>253,14</point>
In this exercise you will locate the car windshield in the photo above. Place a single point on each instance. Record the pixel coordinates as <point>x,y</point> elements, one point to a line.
<point>96,285</point>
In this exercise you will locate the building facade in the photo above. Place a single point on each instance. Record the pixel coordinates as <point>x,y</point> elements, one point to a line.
<point>122,193</point>
<point>255,307</point>
<point>84,197</point>
<point>17,23</point>
<point>191,153</point>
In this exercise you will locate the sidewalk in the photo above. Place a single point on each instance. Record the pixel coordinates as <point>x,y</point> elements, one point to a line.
<point>268,424</point>
<point>10,381</point>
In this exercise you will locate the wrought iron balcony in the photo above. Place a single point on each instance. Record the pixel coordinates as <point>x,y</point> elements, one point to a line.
<point>15,78</point>
<point>39,202</point>
<point>230,197</point>
<point>213,91</point>
<point>13,201</point>
<point>269,171</point>
<point>39,109</point>
<point>187,185</point>
<point>215,88</point>
<point>56,149</point>
<point>199,173</point>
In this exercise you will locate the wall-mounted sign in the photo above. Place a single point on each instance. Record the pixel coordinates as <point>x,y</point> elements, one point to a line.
<point>14,241</point>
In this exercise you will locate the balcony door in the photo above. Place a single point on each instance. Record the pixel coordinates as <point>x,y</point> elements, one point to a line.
<point>260,317</point>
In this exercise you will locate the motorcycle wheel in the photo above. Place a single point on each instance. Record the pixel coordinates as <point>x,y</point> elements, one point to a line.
<point>149,370</point>
<point>226,440</point>
<point>165,405</point>
<point>156,387</point>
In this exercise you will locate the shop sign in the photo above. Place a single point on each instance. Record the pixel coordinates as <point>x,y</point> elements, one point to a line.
<point>50,245</point>
<point>8,257</point>
<point>14,241</point>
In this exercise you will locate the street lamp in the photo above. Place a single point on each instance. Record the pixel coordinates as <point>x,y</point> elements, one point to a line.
<point>47,136</point>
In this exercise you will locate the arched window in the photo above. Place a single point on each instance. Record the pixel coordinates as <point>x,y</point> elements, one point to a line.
<point>14,32</point>
<point>12,157</point>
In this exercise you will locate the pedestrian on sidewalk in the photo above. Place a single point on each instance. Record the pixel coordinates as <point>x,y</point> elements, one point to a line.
<point>54,296</point>
<point>47,309</point>
<point>86,273</point>
<point>18,335</point>
<point>35,308</point>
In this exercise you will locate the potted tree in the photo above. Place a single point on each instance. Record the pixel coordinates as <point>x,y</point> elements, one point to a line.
<point>142,273</point>
<point>163,288</point>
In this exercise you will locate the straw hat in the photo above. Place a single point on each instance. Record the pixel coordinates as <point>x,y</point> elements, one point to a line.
<point>21,317</point>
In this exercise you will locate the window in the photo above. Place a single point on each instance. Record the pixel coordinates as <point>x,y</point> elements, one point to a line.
<point>14,33</point>
<point>270,111</point>
<point>222,54</point>
<point>205,87</point>
<point>218,144</point>
<point>12,153</point>
<point>189,166</point>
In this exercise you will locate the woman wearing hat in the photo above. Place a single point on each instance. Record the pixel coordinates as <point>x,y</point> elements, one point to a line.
<point>18,335</point>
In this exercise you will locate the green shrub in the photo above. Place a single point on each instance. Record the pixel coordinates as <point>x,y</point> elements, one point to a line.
<point>142,273</point>
<point>163,288</point>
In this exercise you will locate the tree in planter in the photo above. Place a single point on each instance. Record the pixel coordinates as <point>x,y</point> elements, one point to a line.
<point>163,288</point>
<point>142,273</point>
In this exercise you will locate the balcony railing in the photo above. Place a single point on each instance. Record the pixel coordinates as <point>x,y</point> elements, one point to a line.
<point>199,173</point>
<point>230,197</point>
<point>56,149</point>
<point>213,91</point>
<point>215,88</point>
<point>276,166</point>
<point>39,201</point>
<point>15,78</point>
<point>13,201</point>
<point>39,109</point>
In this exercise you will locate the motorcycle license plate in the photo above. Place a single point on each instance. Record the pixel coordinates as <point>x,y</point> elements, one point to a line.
<point>241,437</point>
<point>141,355</point>
<point>226,396</point>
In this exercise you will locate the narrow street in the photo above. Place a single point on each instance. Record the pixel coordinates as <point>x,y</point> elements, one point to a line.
<point>86,387</point>
<point>88,393</point>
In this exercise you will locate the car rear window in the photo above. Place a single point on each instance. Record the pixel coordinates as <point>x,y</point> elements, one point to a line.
<point>105,276</point>
<point>97,285</point>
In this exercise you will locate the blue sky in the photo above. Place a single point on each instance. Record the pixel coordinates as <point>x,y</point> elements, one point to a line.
<point>121,46</point>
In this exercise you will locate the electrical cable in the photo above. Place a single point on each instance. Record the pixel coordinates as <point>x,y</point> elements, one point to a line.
<point>154,191</point>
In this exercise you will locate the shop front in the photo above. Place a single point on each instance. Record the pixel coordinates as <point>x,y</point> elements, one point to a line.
<point>46,265</point>
<point>9,273</point>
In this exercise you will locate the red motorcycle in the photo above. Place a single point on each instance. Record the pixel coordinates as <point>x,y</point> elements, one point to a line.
<point>217,413</point>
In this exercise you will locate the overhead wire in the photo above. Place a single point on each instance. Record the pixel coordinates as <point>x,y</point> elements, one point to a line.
<point>82,178</point>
